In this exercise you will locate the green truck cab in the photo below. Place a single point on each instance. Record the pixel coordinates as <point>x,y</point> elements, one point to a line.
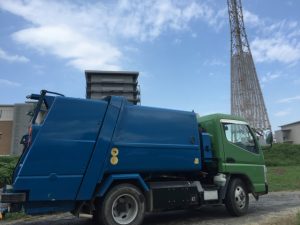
<point>237,150</point>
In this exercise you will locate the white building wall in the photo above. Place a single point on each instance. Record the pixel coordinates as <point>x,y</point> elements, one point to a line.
<point>6,113</point>
<point>294,134</point>
<point>278,136</point>
<point>289,133</point>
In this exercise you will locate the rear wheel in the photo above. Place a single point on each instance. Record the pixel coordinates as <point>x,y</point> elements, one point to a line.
<point>237,198</point>
<point>124,204</point>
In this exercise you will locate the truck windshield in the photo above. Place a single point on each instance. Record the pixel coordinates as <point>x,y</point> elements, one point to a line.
<point>240,135</point>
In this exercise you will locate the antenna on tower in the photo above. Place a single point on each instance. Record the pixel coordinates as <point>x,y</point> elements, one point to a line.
<point>246,95</point>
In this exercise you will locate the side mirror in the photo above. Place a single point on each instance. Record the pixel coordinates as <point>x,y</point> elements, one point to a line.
<point>269,138</point>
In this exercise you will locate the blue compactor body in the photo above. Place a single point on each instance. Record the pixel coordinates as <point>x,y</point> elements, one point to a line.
<point>79,154</point>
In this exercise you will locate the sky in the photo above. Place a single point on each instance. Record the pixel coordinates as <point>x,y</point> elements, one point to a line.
<point>181,48</point>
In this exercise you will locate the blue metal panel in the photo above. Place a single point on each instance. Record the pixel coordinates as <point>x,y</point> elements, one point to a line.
<point>49,188</point>
<point>54,164</point>
<point>95,170</point>
<point>35,208</point>
<point>137,158</point>
<point>140,124</point>
<point>207,147</point>
<point>155,140</point>
<point>117,177</point>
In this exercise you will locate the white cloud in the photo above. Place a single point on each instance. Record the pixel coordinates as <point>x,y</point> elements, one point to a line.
<point>4,82</point>
<point>68,44</point>
<point>214,62</point>
<point>251,19</point>
<point>276,41</point>
<point>89,36</point>
<point>12,58</point>
<point>290,99</point>
<point>293,24</point>
<point>284,112</point>
<point>275,49</point>
<point>269,77</point>
<point>218,20</point>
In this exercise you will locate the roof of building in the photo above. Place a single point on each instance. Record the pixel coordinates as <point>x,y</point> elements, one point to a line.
<point>16,104</point>
<point>6,105</point>
<point>294,123</point>
<point>101,72</point>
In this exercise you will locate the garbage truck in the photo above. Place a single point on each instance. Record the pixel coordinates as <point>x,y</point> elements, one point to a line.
<point>116,161</point>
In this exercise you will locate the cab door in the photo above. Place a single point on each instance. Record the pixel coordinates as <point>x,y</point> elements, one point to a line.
<point>242,152</point>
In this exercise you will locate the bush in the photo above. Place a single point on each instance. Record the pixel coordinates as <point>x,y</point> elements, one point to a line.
<point>282,155</point>
<point>7,165</point>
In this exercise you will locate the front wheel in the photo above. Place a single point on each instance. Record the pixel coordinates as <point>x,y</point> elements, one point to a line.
<point>237,198</point>
<point>124,204</point>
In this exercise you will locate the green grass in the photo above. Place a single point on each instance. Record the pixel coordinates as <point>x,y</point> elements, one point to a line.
<point>15,216</point>
<point>283,162</point>
<point>284,178</point>
<point>7,165</point>
<point>298,219</point>
<point>282,155</point>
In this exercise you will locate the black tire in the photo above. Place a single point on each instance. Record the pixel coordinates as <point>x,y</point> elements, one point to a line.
<point>124,204</point>
<point>237,198</point>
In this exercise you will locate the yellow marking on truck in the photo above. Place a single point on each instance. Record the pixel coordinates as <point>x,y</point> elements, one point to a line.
<point>114,151</point>
<point>114,160</point>
<point>196,161</point>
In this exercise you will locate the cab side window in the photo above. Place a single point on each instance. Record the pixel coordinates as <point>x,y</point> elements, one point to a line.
<point>240,135</point>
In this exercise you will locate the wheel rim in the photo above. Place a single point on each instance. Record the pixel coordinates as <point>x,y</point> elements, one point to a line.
<point>124,209</point>
<point>240,197</point>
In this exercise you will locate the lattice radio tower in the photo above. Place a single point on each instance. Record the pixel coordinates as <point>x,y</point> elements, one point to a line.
<point>246,96</point>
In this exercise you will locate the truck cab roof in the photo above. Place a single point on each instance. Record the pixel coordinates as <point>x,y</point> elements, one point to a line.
<point>219,116</point>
